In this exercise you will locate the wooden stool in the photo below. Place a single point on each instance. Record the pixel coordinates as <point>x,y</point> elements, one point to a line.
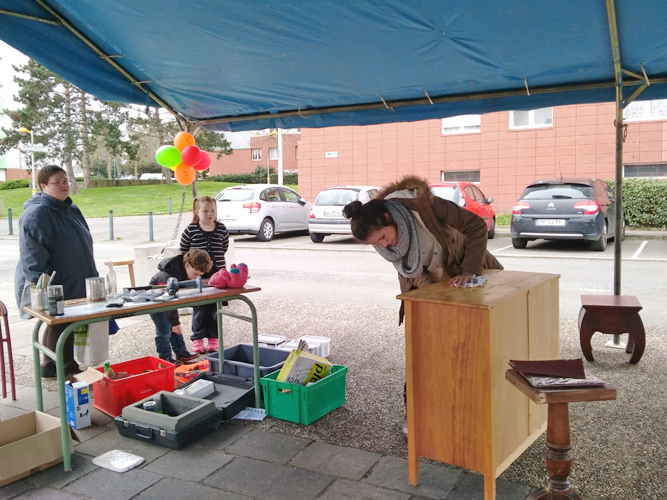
<point>128,263</point>
<point>5,339</point>
<point>612,314</point>
<point>558,458</point>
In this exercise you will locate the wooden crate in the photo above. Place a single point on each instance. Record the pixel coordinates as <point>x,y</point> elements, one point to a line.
<point>460,408</point>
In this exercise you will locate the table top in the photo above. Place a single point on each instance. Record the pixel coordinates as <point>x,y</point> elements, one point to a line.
<point>601,393</point>
<point>80,309</point>
<point>603,301</point>
<point>498,287</point>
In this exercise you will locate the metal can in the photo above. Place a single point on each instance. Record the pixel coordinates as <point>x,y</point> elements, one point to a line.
<point>150,406</point>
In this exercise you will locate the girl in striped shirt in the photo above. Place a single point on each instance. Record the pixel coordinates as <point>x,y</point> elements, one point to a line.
<point>207,233</point>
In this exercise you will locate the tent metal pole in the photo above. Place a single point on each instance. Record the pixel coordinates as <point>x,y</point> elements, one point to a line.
<point>106,57</point>
<point>616,55</point>
<point>430,100</point>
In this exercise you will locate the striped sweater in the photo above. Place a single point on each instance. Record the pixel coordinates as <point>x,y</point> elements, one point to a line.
<point>214,242</point>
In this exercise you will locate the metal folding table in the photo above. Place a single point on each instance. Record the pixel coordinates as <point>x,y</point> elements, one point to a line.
<point>79,312</point>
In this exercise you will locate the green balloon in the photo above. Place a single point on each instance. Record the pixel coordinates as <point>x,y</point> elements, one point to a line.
<point>168,156</point>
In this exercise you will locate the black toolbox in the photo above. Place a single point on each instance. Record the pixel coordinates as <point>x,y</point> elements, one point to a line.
<point>177,421</point>
<point>170,439</point>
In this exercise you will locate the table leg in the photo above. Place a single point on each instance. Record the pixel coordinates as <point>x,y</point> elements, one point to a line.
<point>558,458</point>
<point>38,371</point>
<point>586,332</point>
<point>636,338</point>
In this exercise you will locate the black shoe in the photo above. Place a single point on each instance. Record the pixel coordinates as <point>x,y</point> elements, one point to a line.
<point>71,368</point>
<point>48,370</point>
<point>185,356</point>
<point>172,361</point>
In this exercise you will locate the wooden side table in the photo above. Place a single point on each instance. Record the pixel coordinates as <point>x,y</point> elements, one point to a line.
<point>612,314</point>
<point>558,458</point>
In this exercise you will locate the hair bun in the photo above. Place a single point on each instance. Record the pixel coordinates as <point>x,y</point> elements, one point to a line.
<point>352,210</point>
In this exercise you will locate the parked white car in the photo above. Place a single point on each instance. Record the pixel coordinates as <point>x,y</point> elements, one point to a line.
<point>262,210</point>
<point>326,216</point>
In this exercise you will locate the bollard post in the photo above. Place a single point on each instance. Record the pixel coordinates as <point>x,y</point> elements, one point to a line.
<point>170,205</point>
<point>150,226</point>
<point>9,218</point>
<point>111,225</point>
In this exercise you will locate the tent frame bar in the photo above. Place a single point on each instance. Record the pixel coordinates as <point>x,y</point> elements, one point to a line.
<point>29,17</point>
<point>61,21</point>
<point>430,99</point>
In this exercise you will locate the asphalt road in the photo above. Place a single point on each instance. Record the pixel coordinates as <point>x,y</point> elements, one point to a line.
<point>344,271</point>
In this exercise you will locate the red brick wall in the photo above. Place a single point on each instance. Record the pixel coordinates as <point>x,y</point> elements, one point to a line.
<point>580,143</point>
<point>17,173</point>
<point>240,161</point>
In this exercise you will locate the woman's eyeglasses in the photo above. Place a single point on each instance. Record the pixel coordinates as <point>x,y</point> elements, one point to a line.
<point>59,183</point>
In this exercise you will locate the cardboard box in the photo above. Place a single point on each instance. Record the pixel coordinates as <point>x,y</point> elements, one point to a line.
<point>28,444</point>
<point>303,367</point>
<point>77,402</point>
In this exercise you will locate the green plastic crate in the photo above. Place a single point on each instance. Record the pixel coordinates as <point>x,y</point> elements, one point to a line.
<point>301,404</point>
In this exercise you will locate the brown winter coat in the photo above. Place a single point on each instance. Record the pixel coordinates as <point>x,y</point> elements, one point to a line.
<point>461,233</point>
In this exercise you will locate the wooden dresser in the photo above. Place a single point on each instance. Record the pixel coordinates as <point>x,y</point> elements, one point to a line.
<point>458,343</point>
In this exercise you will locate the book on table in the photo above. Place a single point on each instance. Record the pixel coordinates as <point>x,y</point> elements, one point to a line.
<point>556,374</point>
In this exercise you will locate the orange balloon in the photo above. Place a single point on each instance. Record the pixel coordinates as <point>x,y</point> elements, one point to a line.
<point>183,140</point>
<point>185,174</point>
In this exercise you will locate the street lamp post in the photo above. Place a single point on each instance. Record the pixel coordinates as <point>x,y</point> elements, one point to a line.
<point>268,155</point>
<point>24,131</point>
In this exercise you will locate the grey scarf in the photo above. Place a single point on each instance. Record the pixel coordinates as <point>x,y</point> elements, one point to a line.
<point>406,255</point>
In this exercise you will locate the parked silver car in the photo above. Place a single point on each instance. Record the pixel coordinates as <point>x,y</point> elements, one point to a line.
<point>262,210</point>
<point>326,216</point>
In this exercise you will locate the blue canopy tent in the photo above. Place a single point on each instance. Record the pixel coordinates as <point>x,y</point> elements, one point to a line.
<point>232,65</point>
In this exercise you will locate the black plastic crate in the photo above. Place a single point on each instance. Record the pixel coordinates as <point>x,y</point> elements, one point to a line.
<point>239,361</point>
<point>232,394</point>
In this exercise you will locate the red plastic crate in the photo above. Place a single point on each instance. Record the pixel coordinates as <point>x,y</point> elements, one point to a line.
<point>145,377</point>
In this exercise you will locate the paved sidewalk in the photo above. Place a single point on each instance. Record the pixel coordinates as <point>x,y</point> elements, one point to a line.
<point>236,462</point>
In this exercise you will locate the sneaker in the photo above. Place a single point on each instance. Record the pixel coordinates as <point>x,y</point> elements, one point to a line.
<point>212,345</point>
<point>198,346</point>
<point>172,361</point>
<point>185,356</point>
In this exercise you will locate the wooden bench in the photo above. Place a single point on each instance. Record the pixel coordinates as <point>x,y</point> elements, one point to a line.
<point>612,314</point>
<point>128,263</point>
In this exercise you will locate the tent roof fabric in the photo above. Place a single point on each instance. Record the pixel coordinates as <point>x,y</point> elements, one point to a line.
<point>231,65</point>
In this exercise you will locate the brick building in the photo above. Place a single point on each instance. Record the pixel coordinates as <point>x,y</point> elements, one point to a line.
<point>502,151</point>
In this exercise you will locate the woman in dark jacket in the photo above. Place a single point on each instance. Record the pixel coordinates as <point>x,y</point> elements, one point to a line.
<point>54,236</point>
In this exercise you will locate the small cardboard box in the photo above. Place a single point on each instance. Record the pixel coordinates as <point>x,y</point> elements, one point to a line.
<point>28,444</point>
<point>77,402</point>
<point>303,367</point>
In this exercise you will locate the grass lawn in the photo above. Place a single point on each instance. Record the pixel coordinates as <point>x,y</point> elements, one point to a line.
<point>123,200</point>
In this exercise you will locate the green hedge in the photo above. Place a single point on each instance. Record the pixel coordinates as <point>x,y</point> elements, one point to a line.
<point>644,202</point>
<point>253,178</point>
<point>15,184</point>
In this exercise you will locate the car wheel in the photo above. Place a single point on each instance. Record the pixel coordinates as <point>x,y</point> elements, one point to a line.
<point>519,242</point>
<point>601,244</point>
<point>316,237</point>
<point>266,230</point>
<point>492,229</point>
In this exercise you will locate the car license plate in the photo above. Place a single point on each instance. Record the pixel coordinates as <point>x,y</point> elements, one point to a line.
<point>333,213</point>
<point>549,222</point>
<point>226,221</point>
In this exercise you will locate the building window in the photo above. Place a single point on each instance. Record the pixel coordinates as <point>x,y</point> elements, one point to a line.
<point>646,110</point>
<point>273,153</point>
<point>534,118</point>
<point>296,152</point>
<point>256,154</point>
<point>462,124</point>
<point>647,170</point>
<point>460,175</point>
